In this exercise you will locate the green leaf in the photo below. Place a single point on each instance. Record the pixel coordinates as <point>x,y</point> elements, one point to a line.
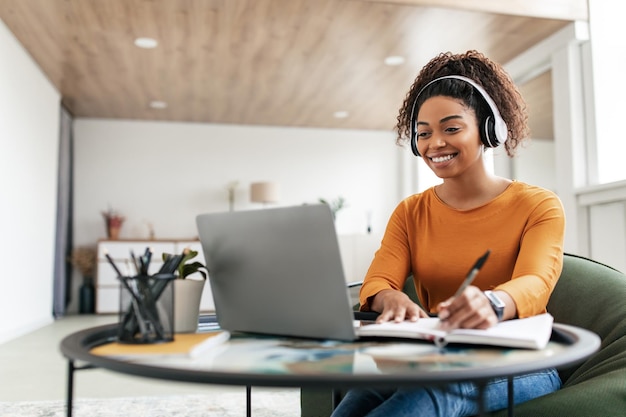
<point>185,268</point>
<point>192,268</point>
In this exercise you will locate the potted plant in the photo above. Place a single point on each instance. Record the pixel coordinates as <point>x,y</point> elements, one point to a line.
<point>113,221</point>
<point>186,268</point>
<point>188,291</point>
<point>84,259</point>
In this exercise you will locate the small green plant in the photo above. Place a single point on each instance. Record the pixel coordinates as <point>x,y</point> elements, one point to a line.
<point>335,205</point>
<point>186,268</point>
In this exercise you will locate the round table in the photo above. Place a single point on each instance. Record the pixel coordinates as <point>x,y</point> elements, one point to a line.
<point>249,360</point>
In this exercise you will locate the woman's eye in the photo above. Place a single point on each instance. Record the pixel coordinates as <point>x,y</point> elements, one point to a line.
<point>422,134</point>
<point>452,129</point>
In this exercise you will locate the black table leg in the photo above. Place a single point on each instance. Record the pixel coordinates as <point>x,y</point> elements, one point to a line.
<point>70,387</point>
<point>71,370</point>
<point>248,401</point>
<point>511,396</point>
<point>336,398</point>
<point>481,397</point>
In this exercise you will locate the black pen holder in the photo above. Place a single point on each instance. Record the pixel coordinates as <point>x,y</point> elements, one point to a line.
<point>146,309</point>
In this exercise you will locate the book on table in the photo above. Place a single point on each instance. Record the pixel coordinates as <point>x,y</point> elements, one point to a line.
<point>529,333</point>
<point>191,345</point>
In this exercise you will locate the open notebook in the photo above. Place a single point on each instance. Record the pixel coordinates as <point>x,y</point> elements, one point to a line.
<point>530,333</point>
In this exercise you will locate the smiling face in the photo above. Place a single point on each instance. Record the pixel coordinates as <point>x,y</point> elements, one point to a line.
<point>448,138</point>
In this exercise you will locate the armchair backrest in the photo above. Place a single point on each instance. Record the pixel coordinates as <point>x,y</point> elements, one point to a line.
<point>409,289</point>
<point>592,295</point>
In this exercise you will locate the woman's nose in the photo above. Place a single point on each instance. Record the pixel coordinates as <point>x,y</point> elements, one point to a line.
<point>437,141</point>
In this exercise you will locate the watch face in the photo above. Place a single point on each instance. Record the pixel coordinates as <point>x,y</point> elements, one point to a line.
<point>496,304</point>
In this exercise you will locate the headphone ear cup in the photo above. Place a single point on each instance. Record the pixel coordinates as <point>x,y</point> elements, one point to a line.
<point>414,145</point>
<point>414,139</point>
<point>488,135</point>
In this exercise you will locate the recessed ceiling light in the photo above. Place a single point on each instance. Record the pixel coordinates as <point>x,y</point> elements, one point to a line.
<point>146,43</point>
<point>156,104</point>
<point>342,114</point>
<point>394,60</point>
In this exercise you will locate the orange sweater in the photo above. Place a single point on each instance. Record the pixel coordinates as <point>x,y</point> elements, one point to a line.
<point>523,227</point>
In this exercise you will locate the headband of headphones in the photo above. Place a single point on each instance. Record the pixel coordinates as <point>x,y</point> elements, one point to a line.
<point>495,130</point>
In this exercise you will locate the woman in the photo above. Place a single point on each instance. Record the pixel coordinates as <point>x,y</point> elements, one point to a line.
<point>458,106</point>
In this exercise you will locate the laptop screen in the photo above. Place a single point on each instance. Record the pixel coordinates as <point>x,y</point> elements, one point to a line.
<point>277,271</point>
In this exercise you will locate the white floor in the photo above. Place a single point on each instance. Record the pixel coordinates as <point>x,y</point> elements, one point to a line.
<point>33,368</point>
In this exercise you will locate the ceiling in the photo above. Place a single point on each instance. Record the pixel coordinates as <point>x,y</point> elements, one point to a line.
<point>263,62</point>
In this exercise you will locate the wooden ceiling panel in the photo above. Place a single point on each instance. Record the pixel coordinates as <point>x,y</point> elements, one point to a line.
<point>261,62</point>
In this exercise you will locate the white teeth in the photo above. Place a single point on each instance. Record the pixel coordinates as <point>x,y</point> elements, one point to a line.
<point>442,158</point>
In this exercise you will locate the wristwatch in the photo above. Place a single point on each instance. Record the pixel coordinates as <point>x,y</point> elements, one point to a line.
<point>496,303</point>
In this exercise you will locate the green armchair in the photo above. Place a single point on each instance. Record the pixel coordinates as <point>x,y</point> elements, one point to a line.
<point>588,295</point>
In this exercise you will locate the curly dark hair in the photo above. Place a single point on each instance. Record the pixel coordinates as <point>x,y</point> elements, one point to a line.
<point>491,76</point>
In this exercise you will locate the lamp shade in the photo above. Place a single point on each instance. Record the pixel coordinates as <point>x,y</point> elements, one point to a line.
<point>264,192</point>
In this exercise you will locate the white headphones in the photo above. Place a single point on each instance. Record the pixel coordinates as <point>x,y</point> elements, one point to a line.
<point>495,130</point>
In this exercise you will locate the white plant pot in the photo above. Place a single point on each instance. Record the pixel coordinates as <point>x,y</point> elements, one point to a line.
<point>187,296</point>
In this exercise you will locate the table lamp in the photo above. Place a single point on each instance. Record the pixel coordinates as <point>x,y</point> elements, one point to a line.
<point>264,192</point>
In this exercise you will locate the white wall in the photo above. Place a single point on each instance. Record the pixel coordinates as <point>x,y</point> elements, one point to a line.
<point>29,128</point>
<point>167,173</point>
<point>535,164</point>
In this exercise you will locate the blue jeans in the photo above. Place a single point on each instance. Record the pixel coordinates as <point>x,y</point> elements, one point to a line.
<point>458,399</point>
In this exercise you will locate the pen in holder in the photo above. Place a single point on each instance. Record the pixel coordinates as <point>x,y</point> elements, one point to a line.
<point>146,308</point>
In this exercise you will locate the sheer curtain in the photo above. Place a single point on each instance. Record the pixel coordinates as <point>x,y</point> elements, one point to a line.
<point>62,268</point>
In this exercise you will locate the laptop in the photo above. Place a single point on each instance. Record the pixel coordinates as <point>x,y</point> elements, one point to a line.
<point>277,271</point>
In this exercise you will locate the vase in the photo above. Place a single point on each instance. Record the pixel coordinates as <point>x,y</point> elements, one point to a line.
<point>86,297</point>
<point>113,232</point>
<point>187,296</point>
<point>113,226</point>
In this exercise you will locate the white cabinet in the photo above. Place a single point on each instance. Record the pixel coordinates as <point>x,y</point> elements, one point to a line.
<point>107,284</point>
<point>357,252</point>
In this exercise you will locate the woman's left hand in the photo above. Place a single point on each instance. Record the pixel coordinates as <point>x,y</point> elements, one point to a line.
<point>470,310</point>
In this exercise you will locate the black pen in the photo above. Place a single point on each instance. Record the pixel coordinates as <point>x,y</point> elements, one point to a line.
<point>135,262</point>
<point>117,271</point>
<point>472,273</point>
<point>145,261</point>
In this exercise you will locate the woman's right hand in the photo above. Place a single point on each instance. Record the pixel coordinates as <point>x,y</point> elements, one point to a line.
<point>397,306</point>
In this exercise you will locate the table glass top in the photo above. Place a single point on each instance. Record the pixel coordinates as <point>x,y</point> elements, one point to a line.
<point>288,356</point>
